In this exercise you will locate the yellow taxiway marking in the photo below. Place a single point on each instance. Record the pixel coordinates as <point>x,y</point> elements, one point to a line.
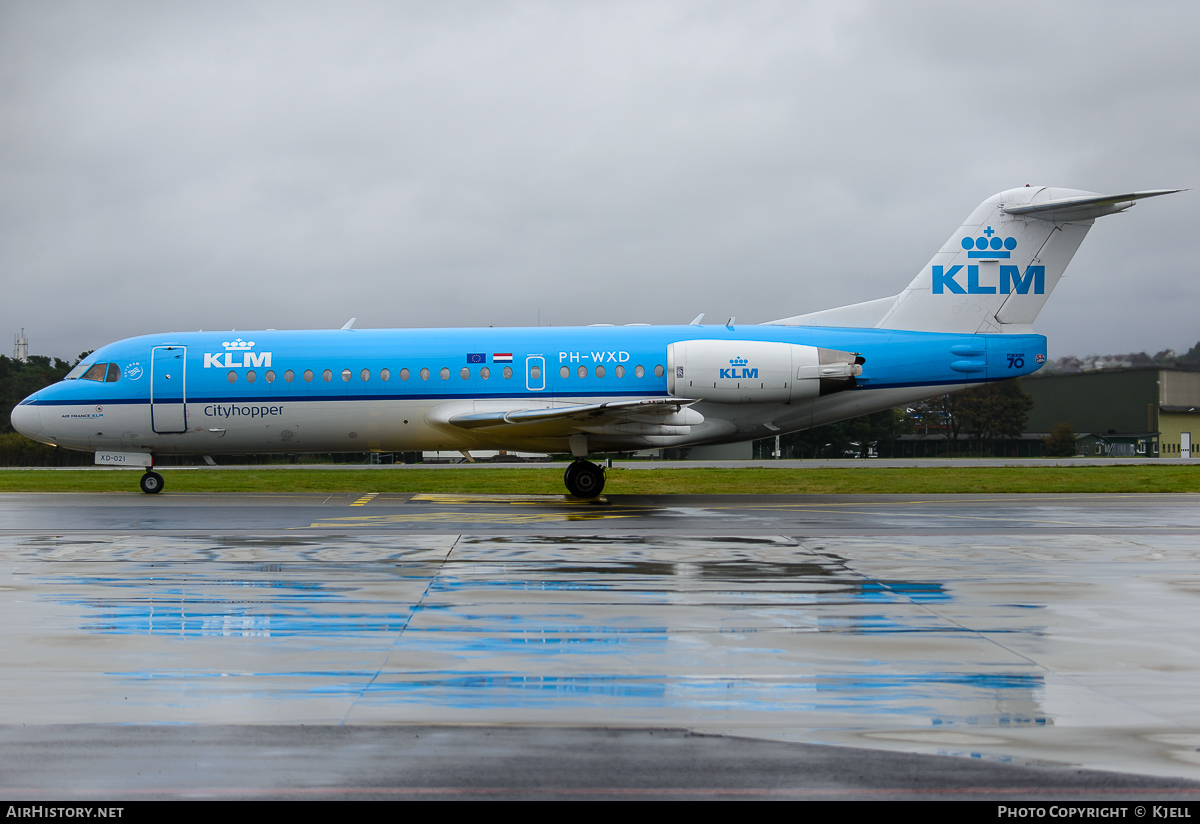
<point>466,498</point>
<point>365,499</point>
<point>469,517</point>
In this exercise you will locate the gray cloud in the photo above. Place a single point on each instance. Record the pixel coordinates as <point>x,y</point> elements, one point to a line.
<point>182,166</point>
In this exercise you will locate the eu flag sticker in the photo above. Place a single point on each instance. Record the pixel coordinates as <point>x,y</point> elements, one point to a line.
<point>477,357</point>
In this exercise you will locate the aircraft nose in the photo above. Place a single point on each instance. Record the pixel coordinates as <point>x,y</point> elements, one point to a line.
<point>27,418</point>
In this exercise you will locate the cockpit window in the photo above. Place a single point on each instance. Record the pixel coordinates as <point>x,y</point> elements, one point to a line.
<point>114,373</point>
<point>96,373</point>
<point>76,372</point>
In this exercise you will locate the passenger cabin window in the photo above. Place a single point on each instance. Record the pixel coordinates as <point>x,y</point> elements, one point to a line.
<point>384,374</point>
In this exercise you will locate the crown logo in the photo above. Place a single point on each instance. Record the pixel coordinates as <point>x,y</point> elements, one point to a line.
<point>738,362</point>
<point>238,345</point>
<point>990,247</point>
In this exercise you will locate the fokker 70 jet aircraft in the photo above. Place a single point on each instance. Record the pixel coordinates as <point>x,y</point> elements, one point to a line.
<point>966,318</point>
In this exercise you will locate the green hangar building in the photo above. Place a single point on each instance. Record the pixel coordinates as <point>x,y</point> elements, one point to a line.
<point>1150,412</point>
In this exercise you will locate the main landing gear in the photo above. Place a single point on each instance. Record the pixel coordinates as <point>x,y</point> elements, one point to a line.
<point>584,479</point>
<point>152,482</point>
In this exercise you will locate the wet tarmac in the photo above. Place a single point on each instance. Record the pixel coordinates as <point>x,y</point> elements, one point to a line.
<point>391,513</point>
<point>1040,633</point>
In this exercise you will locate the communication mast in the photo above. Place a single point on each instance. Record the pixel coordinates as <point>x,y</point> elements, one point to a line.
<point>21,347</point>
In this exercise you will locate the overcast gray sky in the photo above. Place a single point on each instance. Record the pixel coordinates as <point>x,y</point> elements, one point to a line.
<point>175,166</point>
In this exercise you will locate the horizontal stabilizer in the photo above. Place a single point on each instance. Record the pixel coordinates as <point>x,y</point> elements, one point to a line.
<point>1084,208</point>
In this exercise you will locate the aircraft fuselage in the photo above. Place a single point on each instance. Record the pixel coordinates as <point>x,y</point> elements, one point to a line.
<point>402,389</point>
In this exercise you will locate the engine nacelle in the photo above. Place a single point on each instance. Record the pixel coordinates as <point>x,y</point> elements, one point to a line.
<point>757,371</point>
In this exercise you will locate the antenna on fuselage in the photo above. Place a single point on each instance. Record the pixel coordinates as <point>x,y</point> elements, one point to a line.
<point>697,319</point>
<point>349,324</point>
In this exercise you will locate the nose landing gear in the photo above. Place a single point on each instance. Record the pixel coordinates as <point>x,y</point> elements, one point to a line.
<point>151,483</point>
<point>584,479</point>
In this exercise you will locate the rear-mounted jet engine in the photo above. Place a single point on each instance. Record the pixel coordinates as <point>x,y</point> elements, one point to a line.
<point>757,371</point>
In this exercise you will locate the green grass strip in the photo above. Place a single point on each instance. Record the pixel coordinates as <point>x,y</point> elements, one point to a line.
<point>759,480</point>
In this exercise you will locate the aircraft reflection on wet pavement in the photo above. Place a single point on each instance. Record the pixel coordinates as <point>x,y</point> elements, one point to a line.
<point>503,624</point>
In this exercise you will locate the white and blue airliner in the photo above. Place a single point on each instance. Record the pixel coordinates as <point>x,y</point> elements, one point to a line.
<point>966,318</point>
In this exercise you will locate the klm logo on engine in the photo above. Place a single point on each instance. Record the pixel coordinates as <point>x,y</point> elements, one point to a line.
<point>738,369</point>
<point>989,247</point>
<point>237,354</point>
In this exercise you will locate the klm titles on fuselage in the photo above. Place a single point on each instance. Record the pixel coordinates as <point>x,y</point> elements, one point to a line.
<point>224,360</point>
<point>989,247</point>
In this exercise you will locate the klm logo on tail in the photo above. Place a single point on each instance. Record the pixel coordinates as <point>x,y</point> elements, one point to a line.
<point>1011,280</point>
<point>989,247</point>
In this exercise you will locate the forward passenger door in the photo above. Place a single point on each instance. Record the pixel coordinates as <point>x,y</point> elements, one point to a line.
<point>168,389</point>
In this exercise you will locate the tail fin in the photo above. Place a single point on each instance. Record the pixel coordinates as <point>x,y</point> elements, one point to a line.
<point>995,273</point>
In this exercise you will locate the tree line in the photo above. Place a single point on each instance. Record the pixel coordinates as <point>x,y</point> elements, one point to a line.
<point>983,414</point>
<point>19,380</point>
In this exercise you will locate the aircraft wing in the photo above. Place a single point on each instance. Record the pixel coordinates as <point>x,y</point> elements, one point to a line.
<point>609,412</point>
<point>648,416</point>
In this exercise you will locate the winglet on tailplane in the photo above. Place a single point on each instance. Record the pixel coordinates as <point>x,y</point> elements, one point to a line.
<point>996,271</point>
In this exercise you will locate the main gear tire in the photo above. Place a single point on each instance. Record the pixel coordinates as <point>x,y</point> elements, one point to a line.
<point>152,483</point>
<point>584,479</point>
